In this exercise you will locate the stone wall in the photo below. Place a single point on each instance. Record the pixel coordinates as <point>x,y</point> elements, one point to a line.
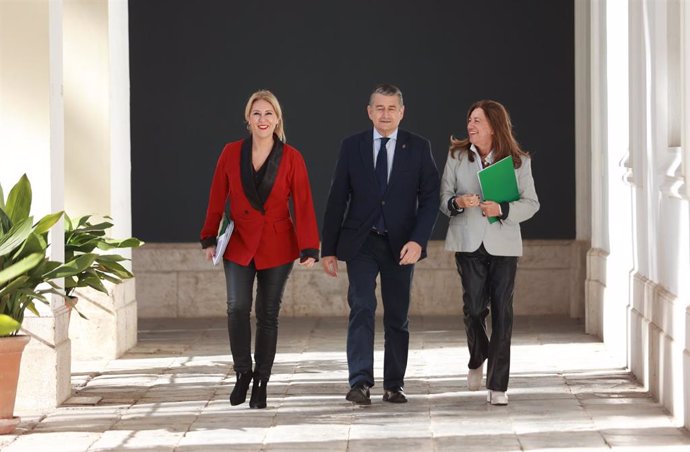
<point>173,280</point>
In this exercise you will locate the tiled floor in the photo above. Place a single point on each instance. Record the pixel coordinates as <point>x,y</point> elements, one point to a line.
<point>170,394</point>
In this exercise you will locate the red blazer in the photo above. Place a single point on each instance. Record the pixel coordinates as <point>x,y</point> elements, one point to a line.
<point>264,230</point>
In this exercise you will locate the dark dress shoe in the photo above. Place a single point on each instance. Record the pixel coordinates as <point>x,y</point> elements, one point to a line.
<point>359,394</point>
<point>239,392</point>
<point>396,395</point>
<point>258,398</point>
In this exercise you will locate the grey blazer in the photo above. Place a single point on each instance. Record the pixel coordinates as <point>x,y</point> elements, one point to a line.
<point>468,229</point>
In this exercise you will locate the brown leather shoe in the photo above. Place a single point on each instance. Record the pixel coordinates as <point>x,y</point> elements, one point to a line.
<point>395,395</point>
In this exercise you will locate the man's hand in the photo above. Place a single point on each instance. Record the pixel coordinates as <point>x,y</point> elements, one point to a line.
<point>410,253</point>
<point>209,252</point>
<point>330,265</point>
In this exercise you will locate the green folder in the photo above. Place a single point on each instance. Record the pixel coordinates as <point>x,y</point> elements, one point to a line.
<point>498,183</point>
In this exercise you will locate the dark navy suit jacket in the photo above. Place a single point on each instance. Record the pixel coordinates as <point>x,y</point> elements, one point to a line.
<point>410,203</point>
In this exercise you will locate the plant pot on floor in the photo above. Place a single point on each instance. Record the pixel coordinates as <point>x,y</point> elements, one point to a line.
<point>11,349</point>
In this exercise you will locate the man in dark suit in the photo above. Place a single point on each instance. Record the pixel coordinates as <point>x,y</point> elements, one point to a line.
<point>381,210</point>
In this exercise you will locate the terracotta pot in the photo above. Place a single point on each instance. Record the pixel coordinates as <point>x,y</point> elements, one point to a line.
<point>11,349</point>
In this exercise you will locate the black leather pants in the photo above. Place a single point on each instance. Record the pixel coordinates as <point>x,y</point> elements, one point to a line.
<point>488,283</point>
<point>271,284</point>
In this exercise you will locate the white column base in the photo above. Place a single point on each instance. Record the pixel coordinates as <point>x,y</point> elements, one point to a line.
<point>110,328</point>
<point>595,287</point>
<point>45,373</point>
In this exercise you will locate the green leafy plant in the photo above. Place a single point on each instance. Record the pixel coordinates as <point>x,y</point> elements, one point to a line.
<point>82,238</point>
<point>26,274</point>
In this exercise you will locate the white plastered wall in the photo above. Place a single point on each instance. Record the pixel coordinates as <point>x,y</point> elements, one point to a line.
<point>32,142</point>
<point>639,263</point>
<point>97,160</point>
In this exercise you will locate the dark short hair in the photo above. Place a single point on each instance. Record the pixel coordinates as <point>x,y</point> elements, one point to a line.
<point>387,90</point>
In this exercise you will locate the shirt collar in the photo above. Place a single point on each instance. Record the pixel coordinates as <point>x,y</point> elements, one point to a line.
<point>393,136</point>
<point>489,157</point>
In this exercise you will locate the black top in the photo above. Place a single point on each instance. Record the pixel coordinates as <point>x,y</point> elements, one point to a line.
<point>261,172</point>
<point>257,185</point>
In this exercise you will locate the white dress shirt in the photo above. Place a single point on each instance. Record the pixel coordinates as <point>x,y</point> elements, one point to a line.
<point>390,148</point>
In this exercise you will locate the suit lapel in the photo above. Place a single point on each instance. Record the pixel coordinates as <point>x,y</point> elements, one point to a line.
<point>247,177</point>
<point>366,152</point>
<point>398,157</point>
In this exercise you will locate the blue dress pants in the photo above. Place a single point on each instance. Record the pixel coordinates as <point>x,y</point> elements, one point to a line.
<point>374,258</point>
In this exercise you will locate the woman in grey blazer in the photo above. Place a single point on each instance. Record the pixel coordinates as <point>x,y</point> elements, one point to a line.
<point>486,254</point>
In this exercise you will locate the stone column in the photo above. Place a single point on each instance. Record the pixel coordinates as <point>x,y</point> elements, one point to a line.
<point>97,159</point>
<point>32,142</point>
<point>583,159</point>
<point>610,260</point>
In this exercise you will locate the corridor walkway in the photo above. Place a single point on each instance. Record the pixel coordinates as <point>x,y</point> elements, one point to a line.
<point>170,394</point>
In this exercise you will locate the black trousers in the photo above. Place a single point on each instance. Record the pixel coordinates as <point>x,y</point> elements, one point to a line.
<point>376,257</point>
<point>270,287</point>
<point>488,283</point>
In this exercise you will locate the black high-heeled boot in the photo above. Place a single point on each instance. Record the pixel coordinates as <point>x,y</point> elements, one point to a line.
<point>239,392</point>
<point>258,399</point>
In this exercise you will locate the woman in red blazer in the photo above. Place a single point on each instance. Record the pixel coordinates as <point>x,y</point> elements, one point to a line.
<point>257,176</point>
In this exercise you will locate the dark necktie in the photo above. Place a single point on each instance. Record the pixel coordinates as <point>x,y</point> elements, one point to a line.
<point>382,178</point>
<point>382,166</point>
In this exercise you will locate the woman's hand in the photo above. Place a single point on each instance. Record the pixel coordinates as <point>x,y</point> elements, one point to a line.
<point>490,209</point>
<point>308,262</point>
<point>209,252</point>
<point>467,200</point>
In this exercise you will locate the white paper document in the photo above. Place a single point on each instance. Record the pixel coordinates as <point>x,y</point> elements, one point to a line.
<point>222,242</point>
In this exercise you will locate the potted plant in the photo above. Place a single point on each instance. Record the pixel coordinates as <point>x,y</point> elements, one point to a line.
<point>26,276</point>
<point>82,238</point>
